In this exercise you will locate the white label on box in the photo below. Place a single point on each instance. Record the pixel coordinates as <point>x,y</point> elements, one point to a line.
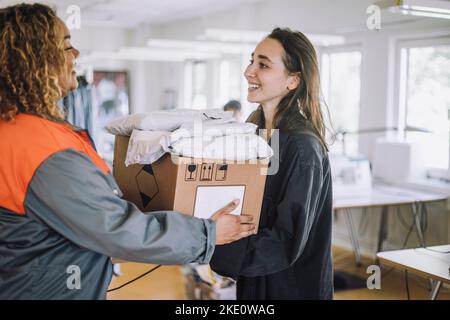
<point>210,199</point>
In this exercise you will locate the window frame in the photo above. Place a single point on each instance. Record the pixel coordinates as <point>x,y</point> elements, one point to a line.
<point>224,96</point>
<point>346,48</point>
<point>401,76</point>
<point>188,83</point>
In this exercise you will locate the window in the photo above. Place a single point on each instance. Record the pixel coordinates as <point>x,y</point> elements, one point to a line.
<point>231,77</point>
<point>199,96</point>
<point>341,82</point>
<point>425,99</point>
<point>212,83</point>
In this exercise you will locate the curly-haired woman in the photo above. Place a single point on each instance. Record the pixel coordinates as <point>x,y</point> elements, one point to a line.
<point>60,207</point>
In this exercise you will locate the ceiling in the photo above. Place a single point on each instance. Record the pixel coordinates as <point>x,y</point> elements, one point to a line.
<point>130,13</point>
<point>315,17</point>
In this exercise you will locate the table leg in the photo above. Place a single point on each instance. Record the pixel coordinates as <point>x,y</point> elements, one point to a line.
<point>353,236</point>
<point>382,233</point>
<point>435,289</point>
<point>418,223</point>
<point>416,214</point>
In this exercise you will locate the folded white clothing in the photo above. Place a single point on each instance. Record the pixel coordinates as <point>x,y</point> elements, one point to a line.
<point>211,128</point>
<point>144,147</point>
<point>167,120</point>
<point>237,147</point>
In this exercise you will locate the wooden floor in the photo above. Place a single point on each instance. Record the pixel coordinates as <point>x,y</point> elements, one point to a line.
<point>167,282</point>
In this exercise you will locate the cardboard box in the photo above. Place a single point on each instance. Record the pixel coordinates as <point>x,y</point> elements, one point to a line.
<point>190,186</point>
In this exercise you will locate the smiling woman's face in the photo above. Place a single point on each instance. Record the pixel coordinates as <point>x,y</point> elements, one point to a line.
<point>268,79</point>
<point>68,78</point>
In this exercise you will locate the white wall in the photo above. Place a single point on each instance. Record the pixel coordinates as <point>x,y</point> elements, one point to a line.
<point>144,76</point>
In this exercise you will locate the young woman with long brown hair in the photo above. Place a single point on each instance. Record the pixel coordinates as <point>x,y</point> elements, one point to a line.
<point>290,256</point>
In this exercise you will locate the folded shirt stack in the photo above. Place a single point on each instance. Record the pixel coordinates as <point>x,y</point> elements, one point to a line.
<point>207,134</point>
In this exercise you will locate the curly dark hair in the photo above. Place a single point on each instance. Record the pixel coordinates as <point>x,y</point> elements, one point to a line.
<point>31,60</point>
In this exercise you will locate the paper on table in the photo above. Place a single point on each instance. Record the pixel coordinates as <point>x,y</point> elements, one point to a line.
<point>210,199</point>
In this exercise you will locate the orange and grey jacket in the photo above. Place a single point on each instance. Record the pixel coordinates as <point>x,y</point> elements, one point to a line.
<point>61,212</point>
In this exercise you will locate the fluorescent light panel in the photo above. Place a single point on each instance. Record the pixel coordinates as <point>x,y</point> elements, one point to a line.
<point>147,54</point>
<point>253,37</point>
<point>425,8</point>
<point>199,46</point>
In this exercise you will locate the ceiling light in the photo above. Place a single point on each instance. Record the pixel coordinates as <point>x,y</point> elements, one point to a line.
<point>200,46</point>
<point>424,8</point>
<point>253,37</point>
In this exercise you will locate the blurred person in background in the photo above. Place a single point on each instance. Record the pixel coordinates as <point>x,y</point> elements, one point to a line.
<point>235,107</point>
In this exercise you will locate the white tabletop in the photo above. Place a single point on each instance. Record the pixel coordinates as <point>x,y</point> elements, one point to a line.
<point>383,195</point>
<point>421,261</point>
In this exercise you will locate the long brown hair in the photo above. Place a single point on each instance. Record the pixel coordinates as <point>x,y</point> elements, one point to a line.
<point>300,109</point>
<point>31,60</point>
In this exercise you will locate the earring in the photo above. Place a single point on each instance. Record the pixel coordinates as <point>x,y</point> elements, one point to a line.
<point>300,109</point>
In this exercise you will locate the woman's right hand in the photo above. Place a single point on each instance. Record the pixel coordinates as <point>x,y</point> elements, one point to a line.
<point>230,227</point>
